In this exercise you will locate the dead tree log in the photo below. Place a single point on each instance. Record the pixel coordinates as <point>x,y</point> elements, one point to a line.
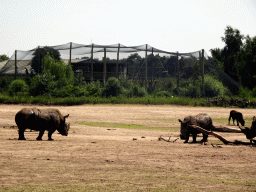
<point>206,132</point>
<point>225,129</point>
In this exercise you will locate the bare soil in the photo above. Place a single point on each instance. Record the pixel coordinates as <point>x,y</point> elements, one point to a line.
<point>118,159</point>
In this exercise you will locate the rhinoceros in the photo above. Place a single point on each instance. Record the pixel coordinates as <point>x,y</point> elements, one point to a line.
<point>235,115</point>
<point>41,120</point>
<point>202,120</point>
<point>250,132</point>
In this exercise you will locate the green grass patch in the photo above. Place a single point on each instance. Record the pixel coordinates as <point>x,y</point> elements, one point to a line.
<point>224,121</point>
<point>162,120</point>
<point>126,126</point>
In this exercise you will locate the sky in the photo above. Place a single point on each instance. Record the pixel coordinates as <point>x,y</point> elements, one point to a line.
<point>169,25</point>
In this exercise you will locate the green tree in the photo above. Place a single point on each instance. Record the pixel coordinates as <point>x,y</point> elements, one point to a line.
<point>228,57</point>
<point>3,57</point>
<point>56,75</point>
<point>247,63</point>
<point>39,54</point>
<point>233,40</point>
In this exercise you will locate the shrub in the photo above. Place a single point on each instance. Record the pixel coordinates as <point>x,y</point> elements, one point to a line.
<point>138,91</point>
<point>62,74</point>
<point>246,93</point>
<point>42,84</point>
<point>214,87</point>
<point>4,83</point>
<point>112,87</point>
<point>17,86</point>
<point>193,90</point>
<point>94,89</point>
<point>71,90</point>
<point>163,94</point>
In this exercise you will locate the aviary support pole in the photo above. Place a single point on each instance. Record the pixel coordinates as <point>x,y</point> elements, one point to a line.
<point>146,66</point>
<point>117,60</point>
<point>178,71</point>
<point>70,53</point>
<point>15,54</point>
<point>92,63</point>
<point>104,67</point>
<point>203,71</point>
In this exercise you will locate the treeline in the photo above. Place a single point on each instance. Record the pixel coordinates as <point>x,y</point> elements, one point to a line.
<point>238,57</point>
<point>165,77</point>
<point>56,79</point>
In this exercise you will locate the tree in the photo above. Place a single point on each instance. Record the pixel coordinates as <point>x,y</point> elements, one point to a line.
<point>238,57</point>
<point>39,54</point>
<point>233,40</point>
<point>247,63</point>
<point>55,76</point>
<point>3,58</point>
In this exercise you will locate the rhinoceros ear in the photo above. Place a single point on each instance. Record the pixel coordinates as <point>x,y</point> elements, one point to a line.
<point>66,116</point>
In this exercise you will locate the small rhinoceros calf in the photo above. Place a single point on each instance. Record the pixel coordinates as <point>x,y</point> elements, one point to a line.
<point>41,120</point>
<point>202,120</point>
<point>235,115</point>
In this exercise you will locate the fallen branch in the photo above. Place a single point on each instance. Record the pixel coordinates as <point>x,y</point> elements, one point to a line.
<point>225,129</point>
<point>161,138</point>
<point>206,132</point>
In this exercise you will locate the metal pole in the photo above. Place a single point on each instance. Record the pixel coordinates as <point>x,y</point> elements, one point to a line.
<point>39,66</point>
<point>178,71</point>
<point>92,64</point>
<point>203,71</point>
<point>146,66</point>
<point>70,53</point>
<point>15,64</point>
<point>104,67</point>
<point>117,63</point>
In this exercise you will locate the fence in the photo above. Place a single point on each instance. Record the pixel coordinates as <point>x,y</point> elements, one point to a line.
<point>143,63</point>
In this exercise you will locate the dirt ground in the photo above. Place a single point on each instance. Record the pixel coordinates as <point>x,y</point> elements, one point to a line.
<point>118,159</point>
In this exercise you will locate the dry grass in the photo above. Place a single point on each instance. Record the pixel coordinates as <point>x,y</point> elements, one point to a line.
<point>94,158</point>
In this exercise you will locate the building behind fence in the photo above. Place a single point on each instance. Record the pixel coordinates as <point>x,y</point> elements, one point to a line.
<point>140,63</point>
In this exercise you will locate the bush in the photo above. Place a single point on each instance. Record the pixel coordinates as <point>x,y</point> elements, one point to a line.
<point>246,93</point>
<point>62,74</point>
<point>42,84</point>
<point>17,86</point>
<point>163,94</point>
<point>112,87</point>
<point>94,89</point>
<point>193,90</point>
<point>4,83</point>
<point>214,87</point>
<point>71,90</point>
<point>138,91</point>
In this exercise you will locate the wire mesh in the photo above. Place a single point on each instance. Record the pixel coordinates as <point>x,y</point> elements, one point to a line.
<point>142,63</point>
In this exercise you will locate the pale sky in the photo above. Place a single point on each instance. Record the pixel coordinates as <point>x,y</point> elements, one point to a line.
<point>169,25</point>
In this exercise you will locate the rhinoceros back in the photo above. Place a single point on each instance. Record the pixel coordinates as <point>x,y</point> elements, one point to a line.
<point>204,120</point>
<point>37,119</point>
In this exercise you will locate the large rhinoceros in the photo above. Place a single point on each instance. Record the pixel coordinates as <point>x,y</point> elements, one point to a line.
<point>202,120</point>
<point>41,120</point>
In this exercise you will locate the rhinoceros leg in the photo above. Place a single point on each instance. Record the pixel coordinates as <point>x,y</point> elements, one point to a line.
<point>205,137</point>
<point>50,136</point>
<point>194,138</point>
<point>187,138</point>
<point>41,133</point>
<point>21,134</point>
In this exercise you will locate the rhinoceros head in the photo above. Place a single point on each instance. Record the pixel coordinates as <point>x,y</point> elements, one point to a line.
<point>64,127</point>
<point>184,126</point>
